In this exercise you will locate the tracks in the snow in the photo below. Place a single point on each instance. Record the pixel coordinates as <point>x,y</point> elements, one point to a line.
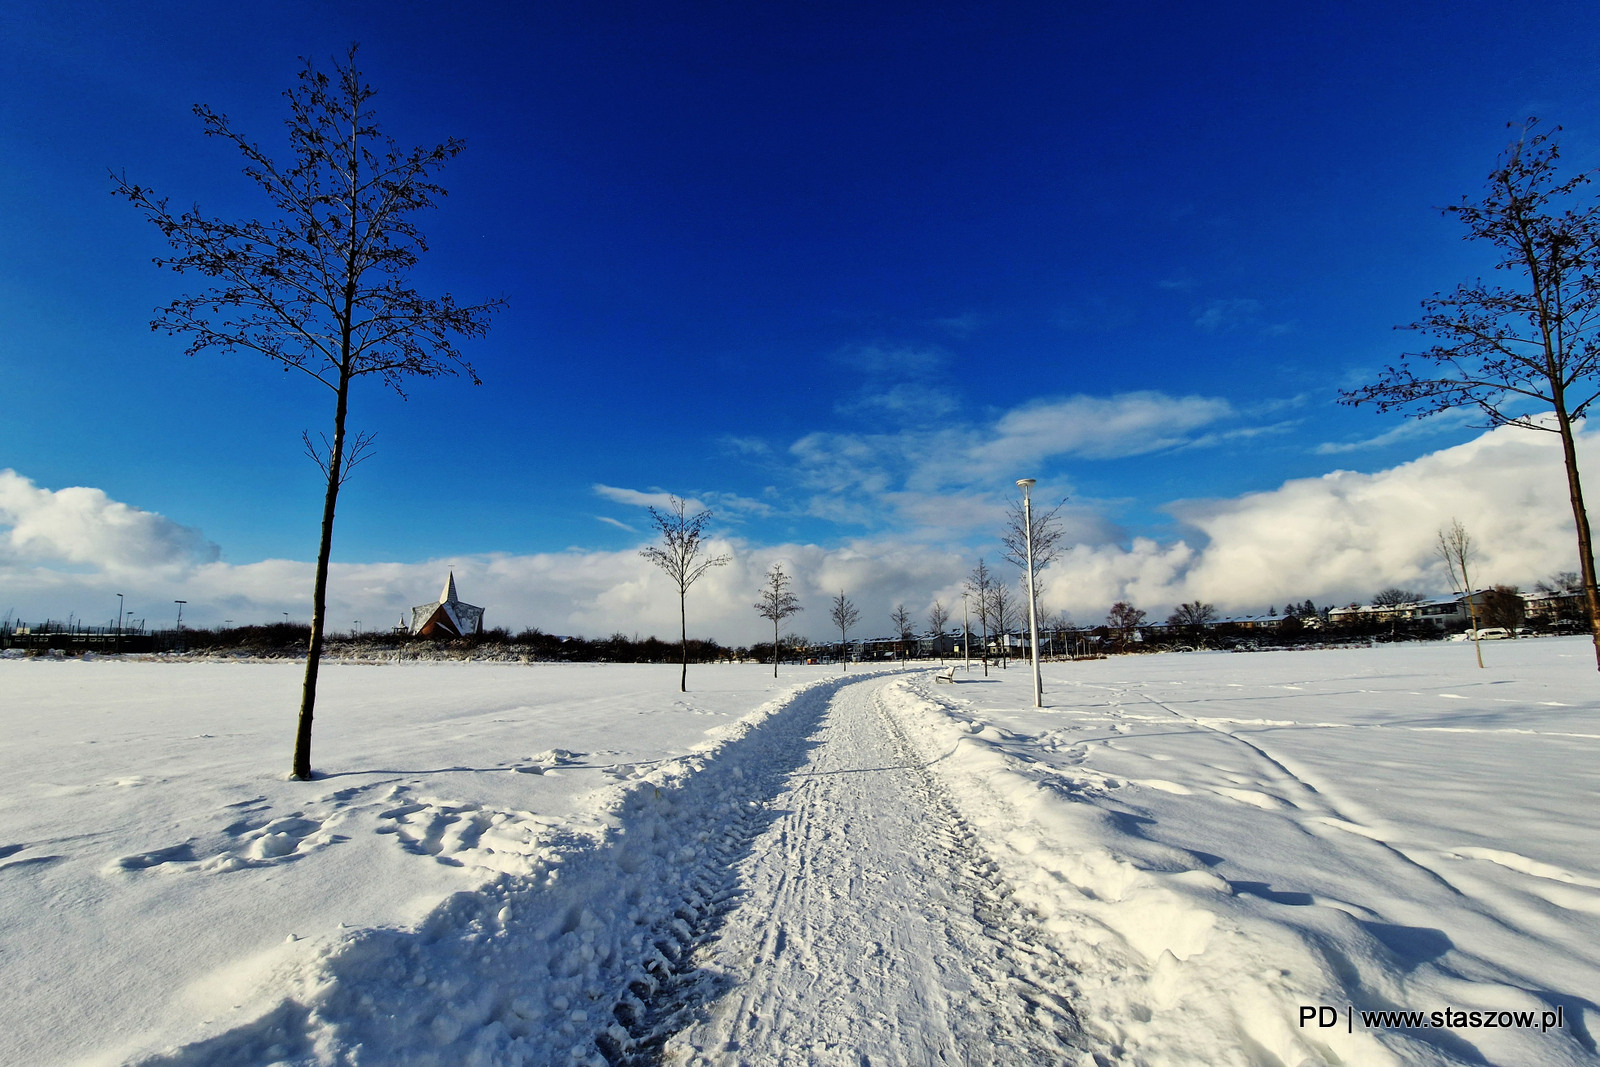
<point>854,914</point>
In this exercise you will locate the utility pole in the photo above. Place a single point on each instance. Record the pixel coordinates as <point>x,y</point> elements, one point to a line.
<point>1033,607</point>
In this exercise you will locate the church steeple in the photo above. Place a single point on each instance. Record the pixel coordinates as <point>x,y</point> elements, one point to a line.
<point>449,594</point>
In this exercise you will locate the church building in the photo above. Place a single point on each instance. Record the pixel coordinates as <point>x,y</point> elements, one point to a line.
<point>448,617</point>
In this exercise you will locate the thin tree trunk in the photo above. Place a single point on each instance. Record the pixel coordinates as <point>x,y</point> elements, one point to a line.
<point>683,632</point>
<point>319,592</point>
<point>774,648</point>
<point>1580,517</point>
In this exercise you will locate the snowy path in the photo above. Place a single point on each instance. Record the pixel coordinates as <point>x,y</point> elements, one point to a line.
<point>873,928</point>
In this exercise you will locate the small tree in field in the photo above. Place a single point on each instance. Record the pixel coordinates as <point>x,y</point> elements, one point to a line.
<point>682,537</point>
<point>980,587</point>
<point>938,619</point>
<point>777,604</point>
<point>1003,616</point>
<point>1455,547</point>
<point>844,615</point>
<point>322,286</point>
<point>1524,351</point>
<point>904,631</point>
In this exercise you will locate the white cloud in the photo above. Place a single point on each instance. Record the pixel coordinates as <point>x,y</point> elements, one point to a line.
<point>892,361</point>
<point>904,401</point>
<point>1223,315</point>
<point>1453,419</point>
<point>655,498</point>
<point>1345,535</point>
<point>1128,424</point>
<point>962,325</point>
<point>79,525</point>
<point>614,522</point>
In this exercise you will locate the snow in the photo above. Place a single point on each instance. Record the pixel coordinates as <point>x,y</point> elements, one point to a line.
<point>507,864</point>
<point>1217,840</point>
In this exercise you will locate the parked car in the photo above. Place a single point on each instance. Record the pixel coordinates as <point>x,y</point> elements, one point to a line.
<point>1488,633</point>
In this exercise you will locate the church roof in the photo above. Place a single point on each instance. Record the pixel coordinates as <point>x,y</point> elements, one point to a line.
<point>449,614</point>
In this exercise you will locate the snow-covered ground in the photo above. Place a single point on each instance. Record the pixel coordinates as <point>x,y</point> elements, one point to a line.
<point>1169,864</point>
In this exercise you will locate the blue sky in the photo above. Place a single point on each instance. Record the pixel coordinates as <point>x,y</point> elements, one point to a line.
<point>842,272</point>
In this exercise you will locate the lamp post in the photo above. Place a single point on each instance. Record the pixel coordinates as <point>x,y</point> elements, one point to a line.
<point>1033,607</point>
<point>119,622</point>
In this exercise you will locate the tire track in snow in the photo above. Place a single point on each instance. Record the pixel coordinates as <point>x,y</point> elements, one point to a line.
<point>873,928</point>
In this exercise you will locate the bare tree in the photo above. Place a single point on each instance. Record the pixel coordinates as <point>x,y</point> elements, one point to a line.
<point>1524,352</point>
<point>1193,615</point>
<point>1047,534</point>
<point>1394,596</point>
<point>321,287</point>
<point>980,586</point>
<point>1503,606</point>
<point>1455,547</point>
<point>938,619</point>
<point>1123,620</point>
<point>1560,582</point>
<point>777,604</point>
<point>1560,591</point>
<point>682,537</point>
<point>904,631</point>
<point>1003,616</point>
<point>844,615</point>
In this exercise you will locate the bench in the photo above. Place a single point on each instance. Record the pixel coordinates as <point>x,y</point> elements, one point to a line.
<point>946,675</point>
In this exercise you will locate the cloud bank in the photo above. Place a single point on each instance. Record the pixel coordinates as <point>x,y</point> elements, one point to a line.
<point>1336,538</point>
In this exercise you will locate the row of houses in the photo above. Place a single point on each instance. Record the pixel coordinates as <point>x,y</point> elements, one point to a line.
<point>1444,614</point>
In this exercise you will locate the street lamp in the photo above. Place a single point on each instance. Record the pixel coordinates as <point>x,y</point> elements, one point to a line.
<point>1033,608</point>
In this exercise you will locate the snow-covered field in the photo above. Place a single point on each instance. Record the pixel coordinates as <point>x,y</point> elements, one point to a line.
<point>1170,864</point>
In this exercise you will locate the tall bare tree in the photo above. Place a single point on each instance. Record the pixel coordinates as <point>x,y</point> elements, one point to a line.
<point>1046,541</point>
<point>322,286</point>
<point>844,615</point>
<point>1455,547</point>
<point>1524,351</point>
<point>980,587</point>
<point>777,604</point>
<point>679,554</point>
<point>938,619</point>
<point>903,630</point>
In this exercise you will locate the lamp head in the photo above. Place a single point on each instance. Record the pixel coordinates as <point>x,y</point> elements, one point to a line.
<point>1026,483</point>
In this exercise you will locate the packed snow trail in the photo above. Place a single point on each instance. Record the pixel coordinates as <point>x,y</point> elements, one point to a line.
<point>873,927</point>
